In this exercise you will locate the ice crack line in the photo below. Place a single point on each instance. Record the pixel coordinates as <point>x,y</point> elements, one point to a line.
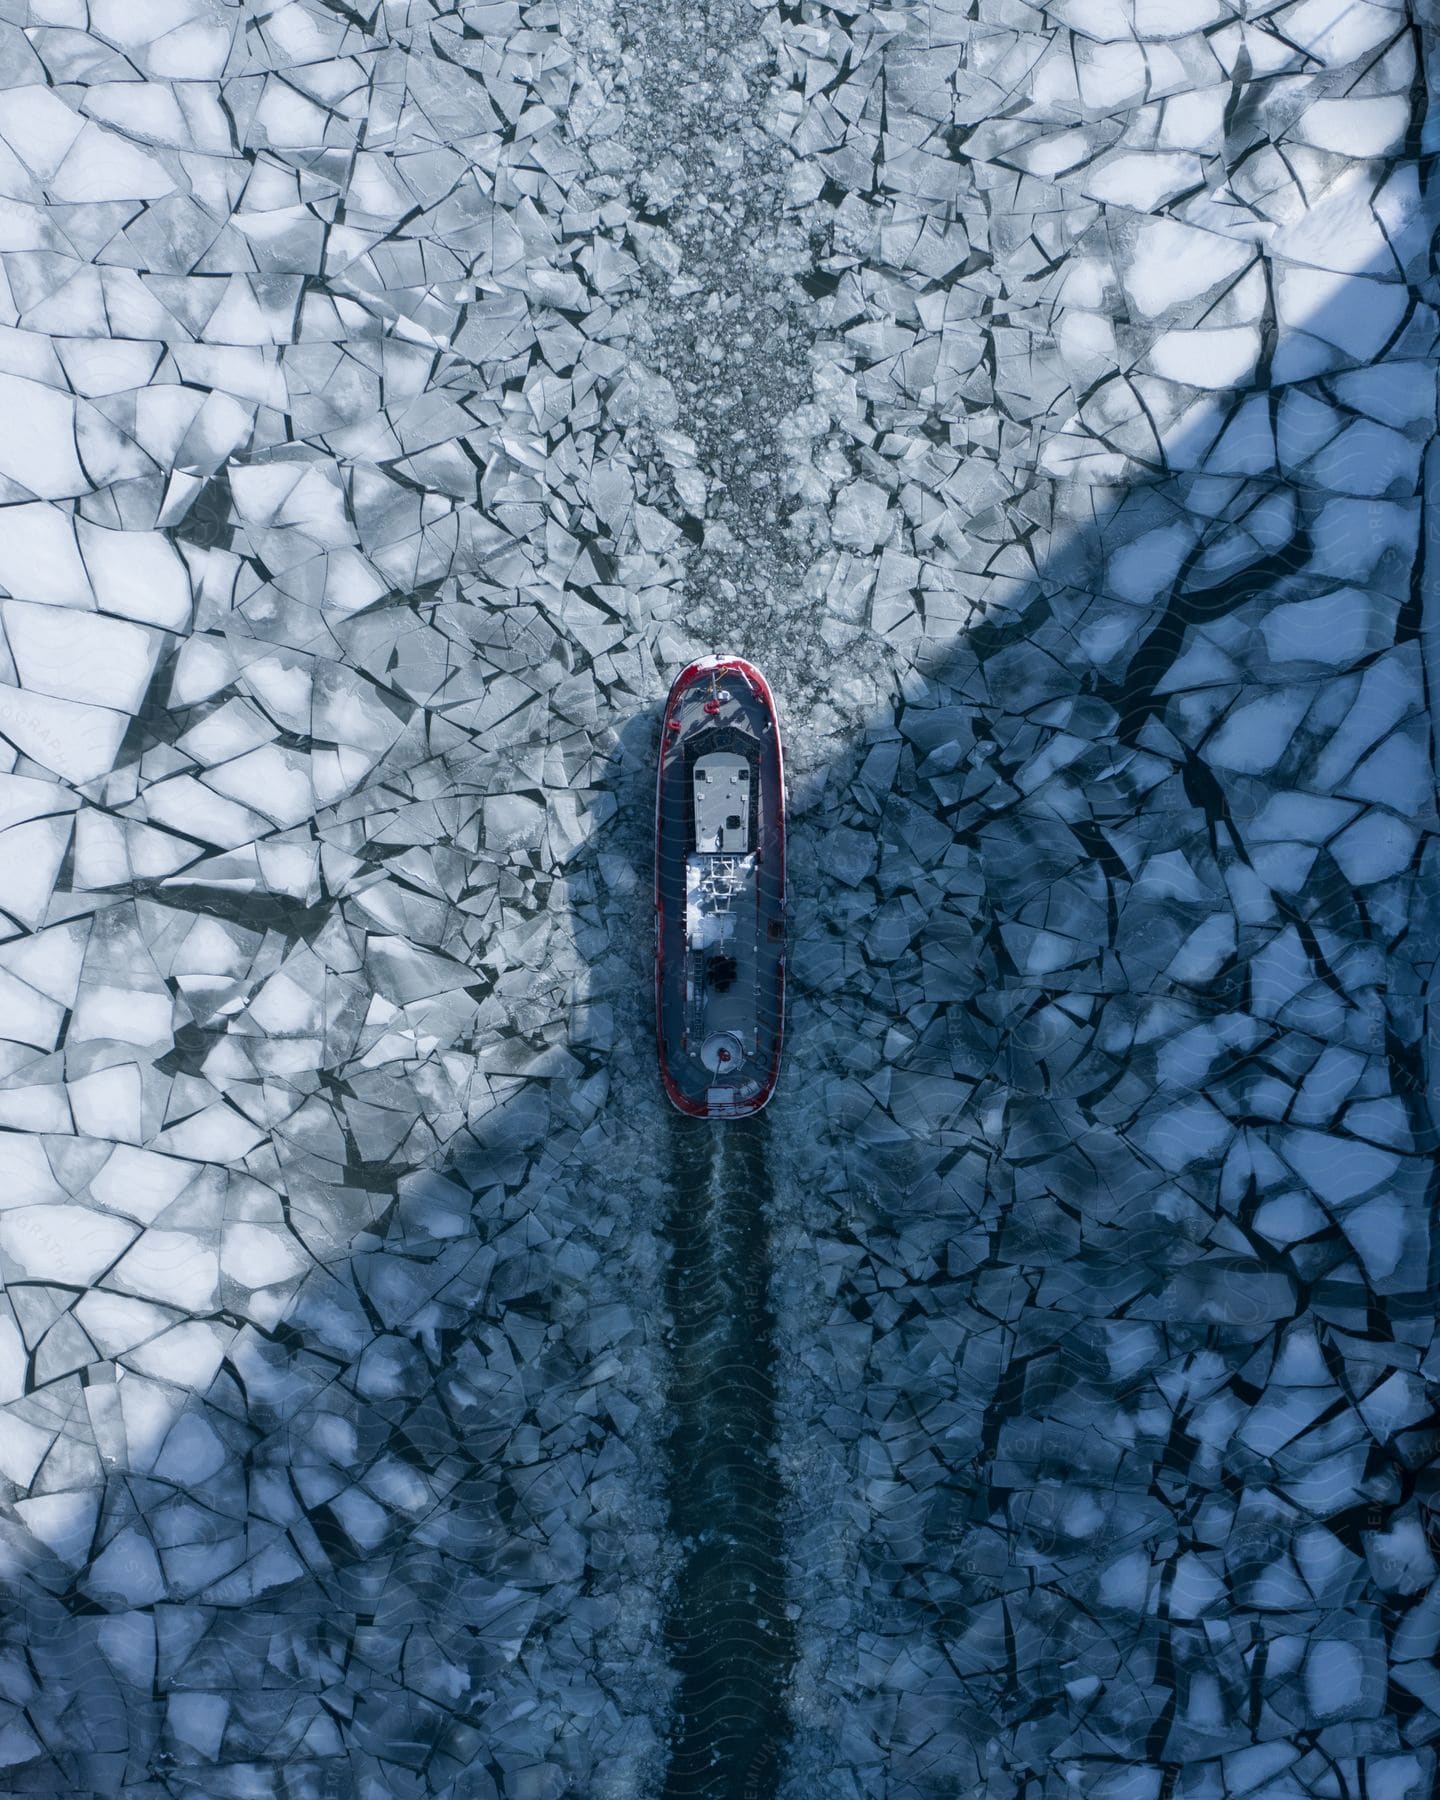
<point>727,1631</point>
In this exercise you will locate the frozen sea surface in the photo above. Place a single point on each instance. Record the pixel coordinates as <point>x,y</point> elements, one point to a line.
<point>394,397</point>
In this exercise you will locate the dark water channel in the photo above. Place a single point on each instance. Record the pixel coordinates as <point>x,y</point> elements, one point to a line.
<point>727,1632</point>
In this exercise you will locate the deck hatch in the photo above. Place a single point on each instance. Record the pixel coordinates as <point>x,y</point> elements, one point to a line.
<point>722,803</point>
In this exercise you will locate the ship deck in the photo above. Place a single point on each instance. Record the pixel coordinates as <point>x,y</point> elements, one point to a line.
<point>719,891</point>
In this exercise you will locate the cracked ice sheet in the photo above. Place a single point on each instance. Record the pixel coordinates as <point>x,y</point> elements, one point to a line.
<point>386,482</point>
<point>1085,561</point>
<point>326,1341</point>
<point>1108,1203</point>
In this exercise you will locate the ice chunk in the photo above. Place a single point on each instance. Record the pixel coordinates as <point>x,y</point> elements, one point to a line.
<point>39,559</point>
<point>127,1570</point>
<point>1299,817</point>
<point>102,165</point>
<point>109,1103</point>
<point>79,742</point>
<point>37,447</point>
<point>1356,314</point>
<point>137,574</point>
<point>49,960</point>
<point>1354,125</point>
<point>27,1017</point>
<point>1125,1582</point>
<point>1174,262</point>
<point>202,668</point>
<point>1195,1588</point>
<point>1400,1559</point>
<point>1395,393</point>
<point>286,119</point>
<point>1190,1132</point>
<point>130,1015</point>
<point>1337,1168</point>
<point>848,855</point>
<point>229,731</point>
<point>22,1446</point>
<point>13,1360</point>
<point>64,1522</point>
<point>188,806</point>
<point>1161,19</point>
<point>198,1721</point>
<point>192,1452</point>
<point>110,852</point>
<point>512,821</point>
<point>140,1183</point>
<point>861,519</point>
<point>1368,458</point>
<point>18,1744</point>
<point>1247,444</point>
<point>216,1134</point>
<point>188,1355</point>
<point>346,709</point>
<point>1397,774</point>
<point>1287,1218</point>
<point>62,1242</point>
<point>177,1268</point>
<point>119,23</point>
<point>271,781</point>
<point>1257,732</point>
<point>257,1255</point>
<point>283,1006</point>
<point>1141,179</point>
<point>30,858</point>
<point>1377,846</point>
<point>1141,571</point>
<point>38,125</point>
<point>1334,1678</point>
<point>1399,1401</point>
<point>1208,947</point>
<point>1221,357</point>
<point>895,925</point>
<point>1339,231</point>
<point>1334,628</point>
<point>79,656</point>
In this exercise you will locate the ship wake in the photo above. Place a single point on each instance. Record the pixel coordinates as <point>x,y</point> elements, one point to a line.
<point>727,1632</point>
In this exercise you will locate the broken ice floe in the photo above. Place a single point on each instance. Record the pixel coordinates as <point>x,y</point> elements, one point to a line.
<point>390,405</point>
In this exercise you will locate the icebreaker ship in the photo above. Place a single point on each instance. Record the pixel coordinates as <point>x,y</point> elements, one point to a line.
<point>720,890</point>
